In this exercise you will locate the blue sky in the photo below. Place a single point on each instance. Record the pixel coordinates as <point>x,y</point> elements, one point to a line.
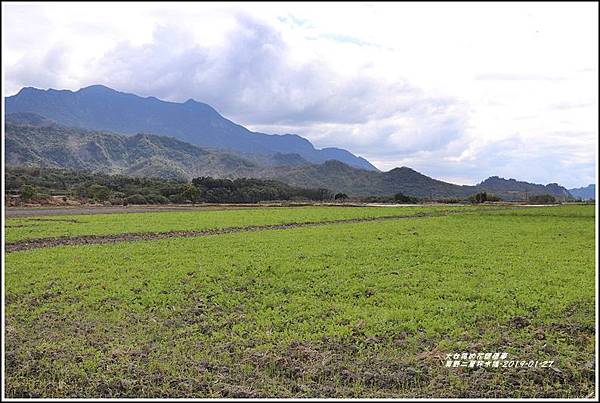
<point>457,91</point>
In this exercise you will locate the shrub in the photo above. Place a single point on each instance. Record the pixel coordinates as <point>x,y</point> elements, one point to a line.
<point>542,199</point>
<point>400,198</point>
<point>450,201</point>
<point>177,198</point>
<point>478,197</point>
<point>156,199</point>
<point>98,192</point>
<point>28,192</point>
<point>136,199</point>
<point>191,193</point>
<point>377,199</point>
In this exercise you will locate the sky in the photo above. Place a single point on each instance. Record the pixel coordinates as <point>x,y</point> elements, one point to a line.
<point>457,91</point>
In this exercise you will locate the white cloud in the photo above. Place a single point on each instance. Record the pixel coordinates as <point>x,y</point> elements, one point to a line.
<point>443,88</point>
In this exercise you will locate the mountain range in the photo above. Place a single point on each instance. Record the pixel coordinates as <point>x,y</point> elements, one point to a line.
<point>101,108</point>
<point>584,193</point>
<point>506,187</point>
<point>32,139</point>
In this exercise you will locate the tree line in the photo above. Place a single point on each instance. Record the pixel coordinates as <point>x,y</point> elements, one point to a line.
<point>36,184</point>
<point>33,184</point>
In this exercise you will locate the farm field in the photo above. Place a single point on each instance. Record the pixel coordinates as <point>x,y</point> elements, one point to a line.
<point>352,309</point>
<point>23,228</point>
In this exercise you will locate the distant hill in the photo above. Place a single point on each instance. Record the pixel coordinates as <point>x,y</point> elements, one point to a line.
<point>511,189</point>
<point>103,109</point>
<point>343,178</point>
<point>57,146</point>
<point>584,193</point>
<point>33,140</point>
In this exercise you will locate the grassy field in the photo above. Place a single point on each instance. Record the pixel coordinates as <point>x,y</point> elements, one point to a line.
<point>23,228</point>
<point>341,310</point>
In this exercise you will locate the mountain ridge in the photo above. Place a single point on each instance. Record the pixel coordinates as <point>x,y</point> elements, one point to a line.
<point>98,107</point>
<point>585,192</point>
<point>35,140</point>
<point>497,184</point>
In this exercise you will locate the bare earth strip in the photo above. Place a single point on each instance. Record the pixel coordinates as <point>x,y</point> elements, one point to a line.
<point>144,236</point>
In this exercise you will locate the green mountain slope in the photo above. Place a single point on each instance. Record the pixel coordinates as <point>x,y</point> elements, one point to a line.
<point>56,146</point>
<point>104,109</point>
<point>340,177</point>
<point>32,140</point>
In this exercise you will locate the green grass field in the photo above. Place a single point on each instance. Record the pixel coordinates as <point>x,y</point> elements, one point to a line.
<point>105,224</point>
<point>342,310</point>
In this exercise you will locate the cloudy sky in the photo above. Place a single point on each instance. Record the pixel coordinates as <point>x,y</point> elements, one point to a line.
<point>459,92</point>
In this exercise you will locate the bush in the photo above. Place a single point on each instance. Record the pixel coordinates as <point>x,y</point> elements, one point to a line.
<point>377,199</point>
<point>177,198</point>
<point>450,201</point>
<point>191,193</point>
<point>340,196</point>
<point>400,198</point>
<point>478,197</point>
<point>542,199</point>
<point>483,197</point>
<point>28,192</point>
<point>249,190</point>
<point>116,201</point>
<point>117,198</point>
<point>136,199</point>
<point>98,192</point>
<point>156,199</point>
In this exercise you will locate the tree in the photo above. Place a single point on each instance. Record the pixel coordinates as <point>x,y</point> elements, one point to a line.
<point>478,198</point>
<point>542,199</point>
<point>324,194</point>
<point>401,198</point>
<point>154,198</point>
<point>190,192</point>
<point>136,199</point>
<point>28,192</point>
<point>340,196</point>
<point>99,192</point>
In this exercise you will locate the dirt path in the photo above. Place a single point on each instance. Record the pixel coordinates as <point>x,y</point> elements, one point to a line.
<point>143,236</point>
